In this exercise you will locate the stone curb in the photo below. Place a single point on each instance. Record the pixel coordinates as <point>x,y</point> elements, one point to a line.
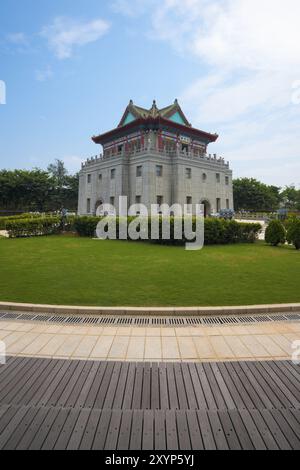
<point>166,311</point>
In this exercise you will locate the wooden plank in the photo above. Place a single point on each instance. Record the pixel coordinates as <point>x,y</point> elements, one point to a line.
<point>79,429</point>
<point>226,394</point>
<point>181,389</point>
<point>239,395</point>
<point>56,429</point>
<point>267,386</point>
<point>288,390</point>
<point>287,376</point>
<point>183,431</point>
<point>120,393</point>
<point>163,387</point>
<point>17,418</point>
<point>275,430</point>
<point>218,395</point>
<point>256,392</point>
<point>93,392</point>
<point>254,434</point>
<point>29,383</point>
<point>128,394</point>
<point>217,430</point>
<point>67,430</point>
<point>6,417</point>
<point>21,429</point>
<point>33,429</point>
<point>279,388</point>
<point>136,437</point>
<point>146,390</point>
<point>199,395</point>
<point>125,430</point>
<point>231,436</point>
<point>289,431</point>
<point>82,374</point>
<point>171,430</point>
<point>90,430</point>
<point>102,430</point>
<point>194,430</point>
<point>206,431</point>
<point>160,430</point>
<point>190,391</point>
<point>155,402</point>
<point>16,380</point>
<point>113,386</point>
<point>209,397</point>
<point>102,392</point>
<point>59,384</point>
<point>113,431</point>
<point>174,404</point>
<point>241,430</point>
<point>87,386</point>
<point>263,430</point>
<point>34,394</point>
<point>148,430</point>
<point>138,387</point>
<point>70,389</point>
<point>44,430</point>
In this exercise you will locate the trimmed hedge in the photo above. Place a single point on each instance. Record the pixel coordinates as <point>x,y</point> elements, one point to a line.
<point>275,233</point>
<point>5,220</point>
<point>33,227</point>
<point>217,231</point>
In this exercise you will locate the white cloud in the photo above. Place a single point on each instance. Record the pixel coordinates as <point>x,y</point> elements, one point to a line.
<point>73,163</point>
<point>64,34</point>
<point>44,74</point>
<point>249,60</point>
<point>18,39</point>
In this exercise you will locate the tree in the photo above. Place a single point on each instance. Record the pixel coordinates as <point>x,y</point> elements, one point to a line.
<point>250,194</point>
<point>275,233</point>
<point>291,198</point>
<point>293,234</point>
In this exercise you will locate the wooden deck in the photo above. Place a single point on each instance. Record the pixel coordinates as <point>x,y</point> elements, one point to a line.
<point>57,404</point>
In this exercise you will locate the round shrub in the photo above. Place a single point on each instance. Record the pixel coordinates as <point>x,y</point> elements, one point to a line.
<point>293,234</point>
<point>275,233</point>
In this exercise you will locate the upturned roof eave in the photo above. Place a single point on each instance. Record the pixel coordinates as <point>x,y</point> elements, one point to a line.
<point>103,138</point>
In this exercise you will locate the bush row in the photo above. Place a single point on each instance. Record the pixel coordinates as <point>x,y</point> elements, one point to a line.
<point>33,227</point>
<point>217,231</point>
<point>5,220</point>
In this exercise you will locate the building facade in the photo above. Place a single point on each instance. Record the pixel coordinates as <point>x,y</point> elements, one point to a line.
<point>155,157</point>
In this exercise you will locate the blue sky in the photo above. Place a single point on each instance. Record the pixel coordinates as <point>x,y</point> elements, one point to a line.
<point>71,67</point>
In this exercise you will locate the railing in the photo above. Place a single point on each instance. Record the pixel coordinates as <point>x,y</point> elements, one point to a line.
<point>167,153</point>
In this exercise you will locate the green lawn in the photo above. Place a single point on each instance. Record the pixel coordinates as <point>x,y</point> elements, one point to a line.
<point>81,271</point>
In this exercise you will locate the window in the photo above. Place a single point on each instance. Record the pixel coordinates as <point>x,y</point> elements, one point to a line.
<point>159,171</point>
<point>188,173</point>
<point>112,201</point>
<point>113,174</point>
<point>218,204</point>
<point>120,148</point>
<point>189,201</point>
<point>100,177</point>
<point>138,199</point>
<point>88,206</point>
<point>89,179</point>
<point>160,200</point>
<point>227,180</point>
<point>185,148</point>
<point>227,204</point>
<point>139,171</point>
<point>218,177</point>
<point>204,177</point>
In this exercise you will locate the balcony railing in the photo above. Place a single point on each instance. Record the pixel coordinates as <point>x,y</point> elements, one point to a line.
<point>161,152</point>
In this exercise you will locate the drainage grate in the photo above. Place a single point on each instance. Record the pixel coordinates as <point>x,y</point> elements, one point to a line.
<point>149,321</point>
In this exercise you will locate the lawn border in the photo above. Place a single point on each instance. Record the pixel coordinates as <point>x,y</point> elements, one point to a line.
<point>166,311</point>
